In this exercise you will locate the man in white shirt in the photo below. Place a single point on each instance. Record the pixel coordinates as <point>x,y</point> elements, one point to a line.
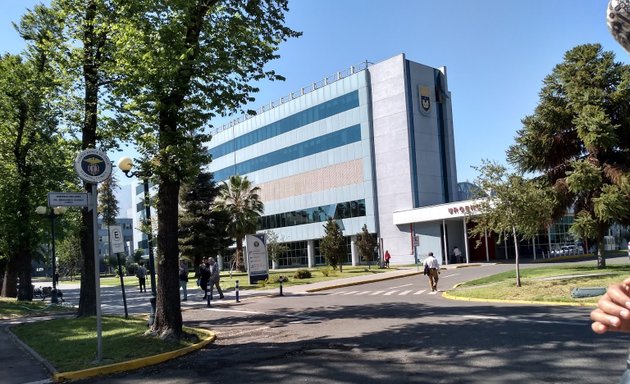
<point>432,269</point>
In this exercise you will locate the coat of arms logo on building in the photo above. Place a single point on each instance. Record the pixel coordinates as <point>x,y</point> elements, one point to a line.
<point>425,100</point>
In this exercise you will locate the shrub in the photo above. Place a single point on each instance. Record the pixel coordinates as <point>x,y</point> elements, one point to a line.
<point>277,279</point>
<point>302,274</point>
<point>327,271</point>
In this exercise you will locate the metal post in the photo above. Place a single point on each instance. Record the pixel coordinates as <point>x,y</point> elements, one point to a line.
<point>54,298</point>
<point>97,277</point>
<point>236,292</point>
<point>281,279</point>
<point>122,283</point>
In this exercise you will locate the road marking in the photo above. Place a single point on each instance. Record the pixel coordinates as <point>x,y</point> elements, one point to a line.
<point>363,293</point>
<point>376,293</point>
<point>420,292</point>
<point>234,310</point>
<point>578,323</point>
<point>482,317</point>
<point>390,292</point>
<point>350,293</point>
<point>400,286</point>
<point>454,274</point>
<point>404,292</point>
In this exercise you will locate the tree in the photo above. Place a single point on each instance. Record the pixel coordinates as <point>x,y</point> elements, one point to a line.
<point>202,231</point>
<point>578,139</point>
<point>69,255</point>
<point>275,245</point>
<point>180,63</point>
<point>32,150</point>
<point>108,209</point>
<point>239,199</point>
<point>333,244</point>
<point>513,206</point>
<point>366,243</point>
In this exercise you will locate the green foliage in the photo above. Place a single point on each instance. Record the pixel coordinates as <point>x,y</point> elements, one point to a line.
<point>302,274</point>
<point>275,247</point>
<point>239,200</point>
<point>577,140</point>
<point>202,231</point>
<point>108,205</point>
<point>333,244</point>
<point>366,243</point>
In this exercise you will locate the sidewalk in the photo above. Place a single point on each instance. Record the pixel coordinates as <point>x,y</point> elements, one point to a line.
<point>20,365</point>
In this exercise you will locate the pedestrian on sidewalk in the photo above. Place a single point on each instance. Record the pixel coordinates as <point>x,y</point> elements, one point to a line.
<point>183,278</point>
<point>141,274</point>
<point>432,269</point>
<point>204,277</point>
<point>459,258</point>
<point>387,257</point>
<point>215,277</point>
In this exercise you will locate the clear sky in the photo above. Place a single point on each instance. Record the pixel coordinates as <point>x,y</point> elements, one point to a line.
<point>497,52</point>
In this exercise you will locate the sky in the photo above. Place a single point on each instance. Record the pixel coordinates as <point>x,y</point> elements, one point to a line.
<point>497,53</point>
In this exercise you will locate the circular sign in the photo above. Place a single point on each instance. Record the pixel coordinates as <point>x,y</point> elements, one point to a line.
<point>93,166</point>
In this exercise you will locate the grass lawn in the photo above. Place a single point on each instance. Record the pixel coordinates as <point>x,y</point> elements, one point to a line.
<point>10,308</point>
<point>70,344</point>
<point>544,284</point>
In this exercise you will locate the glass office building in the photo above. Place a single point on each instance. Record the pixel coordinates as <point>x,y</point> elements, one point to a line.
<point>355,147</point>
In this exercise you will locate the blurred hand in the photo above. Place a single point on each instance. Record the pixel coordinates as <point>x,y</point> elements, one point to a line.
<point>613,309</point>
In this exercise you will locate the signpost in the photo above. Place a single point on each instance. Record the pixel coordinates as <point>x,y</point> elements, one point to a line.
<point>67,199</point>
<point>93,166</point>
<point>257,260</point>
<point>117,246</point>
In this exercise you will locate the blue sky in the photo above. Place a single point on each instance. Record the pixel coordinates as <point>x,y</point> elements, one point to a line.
<point>497,52</point>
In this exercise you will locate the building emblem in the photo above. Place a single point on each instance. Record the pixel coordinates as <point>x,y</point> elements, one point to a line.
<point>93,166</point>
<point>425,100</point>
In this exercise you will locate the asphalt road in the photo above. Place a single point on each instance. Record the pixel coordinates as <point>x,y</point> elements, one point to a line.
<point>394,331</point>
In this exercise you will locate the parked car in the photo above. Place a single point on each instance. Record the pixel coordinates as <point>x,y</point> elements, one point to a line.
<point>566,250</point>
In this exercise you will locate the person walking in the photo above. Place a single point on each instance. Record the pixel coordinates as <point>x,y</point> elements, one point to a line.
<point>204,277</point>
<point>215,277</point>
<point>141,274</point>
<point>459,258</point>
<point>183,278</point>
<point>387,257</point>
<point>432,269</point>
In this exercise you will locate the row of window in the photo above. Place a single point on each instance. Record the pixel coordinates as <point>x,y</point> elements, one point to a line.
<point>355,208</point>
<point>297,255</point>
<point>300,119</point>
<point>306,148</point>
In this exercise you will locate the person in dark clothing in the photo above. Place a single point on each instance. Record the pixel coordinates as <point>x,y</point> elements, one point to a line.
<point>205,273</point>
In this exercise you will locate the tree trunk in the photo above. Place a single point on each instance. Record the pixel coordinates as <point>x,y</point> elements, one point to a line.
<point>168,317</point>
<point>240,260</point>
<point>9,282</point>
<point>87,297</point>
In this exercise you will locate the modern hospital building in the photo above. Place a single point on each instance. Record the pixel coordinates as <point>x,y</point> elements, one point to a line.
<point>370,145</point>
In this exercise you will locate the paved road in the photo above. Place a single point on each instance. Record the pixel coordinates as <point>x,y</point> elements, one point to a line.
<point>395,331</point>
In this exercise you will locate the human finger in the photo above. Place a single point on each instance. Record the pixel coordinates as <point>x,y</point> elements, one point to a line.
<point>618,294</point>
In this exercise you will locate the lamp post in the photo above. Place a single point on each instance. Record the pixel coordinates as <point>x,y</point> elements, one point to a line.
<point>125,164</point>
<point>52,213</point>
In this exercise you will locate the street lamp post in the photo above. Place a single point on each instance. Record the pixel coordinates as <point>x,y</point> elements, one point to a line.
<point>52,213</point>
<point>125,164</point>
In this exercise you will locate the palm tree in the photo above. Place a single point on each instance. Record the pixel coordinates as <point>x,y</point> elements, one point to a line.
<point>239,198</point>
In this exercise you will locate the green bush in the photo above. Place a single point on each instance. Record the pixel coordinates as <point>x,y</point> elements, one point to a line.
<point>302,274</point>
<point>327,271</point>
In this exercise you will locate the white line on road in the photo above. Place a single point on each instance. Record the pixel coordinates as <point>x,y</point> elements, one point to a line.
<point>376,293</point>
<point>454,274</point>
<point>390,293</point>
<point>363,293</point>
<point>400,286</point>
<point>404,292</point>
<point>350,293</point>
<point>420,292</point>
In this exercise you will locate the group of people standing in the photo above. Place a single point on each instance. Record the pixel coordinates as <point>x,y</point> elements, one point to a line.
<point>209,277</point>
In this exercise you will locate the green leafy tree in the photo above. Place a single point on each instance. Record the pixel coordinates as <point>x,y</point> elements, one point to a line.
<point>275,245</point>
<point>514,206</point>
<point>202,230</point>
<point>366,243</point>
<point>333,244</point>
<point>69,255</point>
<point>577,140</point>
<point>239,199</point>
<point>180,63</point>
<point>32,151</point>
<point>108,209</point>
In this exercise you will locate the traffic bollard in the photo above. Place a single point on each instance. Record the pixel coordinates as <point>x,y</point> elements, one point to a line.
<point>236,291</point>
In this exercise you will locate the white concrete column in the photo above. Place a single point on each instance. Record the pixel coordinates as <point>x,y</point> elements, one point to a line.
<point>445,241</point>
<point>310,253</point>
<point>353,251</point>
<point>466,241</point>
<point>274,264</point>
<point>485,235</point>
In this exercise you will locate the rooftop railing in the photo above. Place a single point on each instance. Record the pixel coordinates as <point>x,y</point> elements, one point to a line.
<point>293,95</point>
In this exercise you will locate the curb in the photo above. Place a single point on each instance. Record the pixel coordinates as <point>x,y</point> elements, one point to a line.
<point>136,363</point>
<point>362,282</point>
<point>447,295</point>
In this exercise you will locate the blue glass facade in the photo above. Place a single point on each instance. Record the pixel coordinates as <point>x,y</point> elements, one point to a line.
<point>338,211</point>
<point>309,147</point>
<point>300,119</point>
